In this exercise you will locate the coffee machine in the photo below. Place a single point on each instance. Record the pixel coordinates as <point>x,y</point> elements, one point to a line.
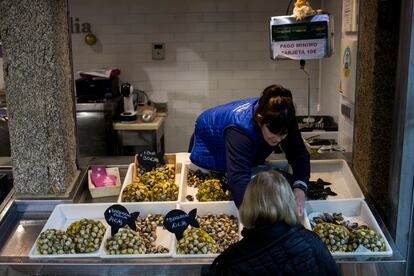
<point>129,114</point>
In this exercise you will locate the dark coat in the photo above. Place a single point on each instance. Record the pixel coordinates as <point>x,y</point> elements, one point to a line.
<point>276,250</point>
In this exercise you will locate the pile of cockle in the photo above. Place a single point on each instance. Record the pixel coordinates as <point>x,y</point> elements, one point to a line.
<point>195,178</point>
<point>345,236</point>
<point>136,192</point>
<point>211,190</point>
<point>196,241</point>
<point>161,173</point>
<point>334,236</point>
<point>87,234</point>
<point>209,186</point>
<point>155,185</point>
<point>224,229</point>
<point>82,236</point>
<point>125,242</point>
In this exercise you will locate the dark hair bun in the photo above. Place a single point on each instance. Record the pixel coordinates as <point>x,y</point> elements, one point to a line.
<point>276,90</point>
<point>276,109</point>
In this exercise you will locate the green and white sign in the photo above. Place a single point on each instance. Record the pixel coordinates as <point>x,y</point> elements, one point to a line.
<point>309,38</point>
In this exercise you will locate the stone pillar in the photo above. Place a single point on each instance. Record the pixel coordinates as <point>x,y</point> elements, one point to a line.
<point>40,96</point>
<point>376,72</point>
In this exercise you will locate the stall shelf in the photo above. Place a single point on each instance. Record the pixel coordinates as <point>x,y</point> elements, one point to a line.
<point>21,221</point>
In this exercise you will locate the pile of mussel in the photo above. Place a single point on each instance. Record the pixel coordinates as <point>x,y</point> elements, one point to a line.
<point>341,235</point>
<point>317,190</point>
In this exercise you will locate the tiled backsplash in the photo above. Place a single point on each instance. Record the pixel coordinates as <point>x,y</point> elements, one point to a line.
<point>216,51</point>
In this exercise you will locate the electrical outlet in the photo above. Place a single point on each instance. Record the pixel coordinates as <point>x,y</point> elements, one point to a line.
<point>158,51</point>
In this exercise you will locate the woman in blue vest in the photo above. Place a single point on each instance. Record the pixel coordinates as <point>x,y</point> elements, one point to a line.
<point>237,136</point>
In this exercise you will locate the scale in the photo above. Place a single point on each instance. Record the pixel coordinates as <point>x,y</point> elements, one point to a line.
<point>309,38</point>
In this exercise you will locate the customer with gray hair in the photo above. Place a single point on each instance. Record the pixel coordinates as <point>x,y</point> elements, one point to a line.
<point>274,241</point>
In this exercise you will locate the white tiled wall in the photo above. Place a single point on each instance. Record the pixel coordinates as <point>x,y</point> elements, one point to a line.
<point>330,67</point>
<point>331,77</point>
<point>216,51</point>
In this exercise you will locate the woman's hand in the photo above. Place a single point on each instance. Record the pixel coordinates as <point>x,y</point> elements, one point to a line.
<point>300,200</point>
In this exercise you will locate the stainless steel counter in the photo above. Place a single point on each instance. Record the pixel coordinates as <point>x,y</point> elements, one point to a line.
<point>22,220</point>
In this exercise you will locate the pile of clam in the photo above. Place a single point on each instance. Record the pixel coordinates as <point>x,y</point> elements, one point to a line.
<point>147,229</point>
<point>345,236</point>
<point>155,185</point>
<point>208,185</point>
<point>224,229</point>
<point>82,236</point>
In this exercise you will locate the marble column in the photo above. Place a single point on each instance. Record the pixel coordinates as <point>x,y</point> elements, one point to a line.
<point>40,96</point>
<point>375,90</point>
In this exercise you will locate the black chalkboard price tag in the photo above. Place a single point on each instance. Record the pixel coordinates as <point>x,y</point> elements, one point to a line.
<point>148,159</point>
<point>176,221</point>
<point>117,216</point>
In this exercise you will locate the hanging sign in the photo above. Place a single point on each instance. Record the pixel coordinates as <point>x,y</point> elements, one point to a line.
<point>117,216</point>
<point>309,38</point>
<point>176,221</point>
<point>148,159</point>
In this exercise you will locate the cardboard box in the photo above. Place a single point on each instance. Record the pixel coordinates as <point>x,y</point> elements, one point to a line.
<point>112,190</point>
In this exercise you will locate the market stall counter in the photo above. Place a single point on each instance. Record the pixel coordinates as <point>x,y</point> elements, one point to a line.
<point>31,230</point>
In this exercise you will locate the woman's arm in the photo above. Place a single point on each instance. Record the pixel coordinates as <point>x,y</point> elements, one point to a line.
<point>299,159</point>
<point>239,161</point>
<point>297,155</point>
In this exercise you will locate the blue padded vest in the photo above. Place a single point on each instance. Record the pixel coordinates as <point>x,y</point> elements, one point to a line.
<point>209,150</point>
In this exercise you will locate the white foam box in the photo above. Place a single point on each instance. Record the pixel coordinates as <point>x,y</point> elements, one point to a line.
<point>355,208</point>
<point>112,190</point>
<point>335,171</point>
<point>272,164</point>
<point>205,208</point>
<point>65,214</point>
<point>129,179</point>
<point>187,190</point>
<point>164,237</point>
